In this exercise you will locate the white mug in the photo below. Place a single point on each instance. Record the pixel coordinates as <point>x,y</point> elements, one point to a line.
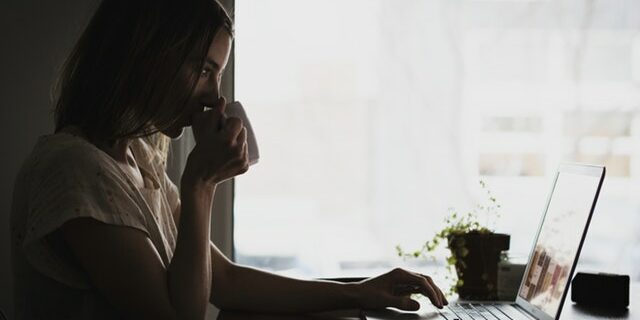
<point>235,109</point>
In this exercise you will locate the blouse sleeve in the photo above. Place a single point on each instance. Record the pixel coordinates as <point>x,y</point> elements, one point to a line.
<point>75,184</point>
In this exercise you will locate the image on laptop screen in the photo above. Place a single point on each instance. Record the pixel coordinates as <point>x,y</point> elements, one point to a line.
<point>559,240</point>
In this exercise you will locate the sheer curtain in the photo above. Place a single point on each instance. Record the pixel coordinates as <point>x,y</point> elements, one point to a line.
<point>375,117</point>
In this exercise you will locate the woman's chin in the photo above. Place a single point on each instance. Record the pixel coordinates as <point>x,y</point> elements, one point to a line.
<point>174,133</point>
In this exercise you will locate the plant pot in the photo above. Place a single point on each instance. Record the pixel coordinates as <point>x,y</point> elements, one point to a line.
<point>477,255</point>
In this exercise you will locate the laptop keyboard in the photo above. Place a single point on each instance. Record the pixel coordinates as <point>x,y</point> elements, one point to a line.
<point>475,311</point>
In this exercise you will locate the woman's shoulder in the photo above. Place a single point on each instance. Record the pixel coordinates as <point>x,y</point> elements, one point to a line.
<point>69,148</point>
<point>67,153</point>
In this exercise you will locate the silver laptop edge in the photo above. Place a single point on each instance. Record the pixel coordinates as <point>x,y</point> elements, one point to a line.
<point>582,169</point>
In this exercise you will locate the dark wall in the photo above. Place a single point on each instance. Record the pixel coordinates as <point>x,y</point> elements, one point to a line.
<point>35,38</point>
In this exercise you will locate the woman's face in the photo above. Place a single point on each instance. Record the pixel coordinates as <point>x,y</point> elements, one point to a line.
<point>207,89</point>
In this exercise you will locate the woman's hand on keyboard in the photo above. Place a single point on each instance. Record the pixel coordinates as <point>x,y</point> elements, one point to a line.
<point>394,289</point>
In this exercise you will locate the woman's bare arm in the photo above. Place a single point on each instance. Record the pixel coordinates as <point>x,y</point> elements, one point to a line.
<point>238,287</point>
<point>190,266</point>
<point>243,288</point>
<point>123,265</point>
<point>126,268</point>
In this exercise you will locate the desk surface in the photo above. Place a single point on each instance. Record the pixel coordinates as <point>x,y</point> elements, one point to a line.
<point>570,311</point>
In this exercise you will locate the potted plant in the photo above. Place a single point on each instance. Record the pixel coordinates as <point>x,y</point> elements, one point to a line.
<point>474,249</point>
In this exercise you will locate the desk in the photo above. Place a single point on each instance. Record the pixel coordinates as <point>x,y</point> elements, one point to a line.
<point>335,315</point>
<point>570,311</point>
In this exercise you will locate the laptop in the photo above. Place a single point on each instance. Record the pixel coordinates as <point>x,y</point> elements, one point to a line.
<point>553,258</point>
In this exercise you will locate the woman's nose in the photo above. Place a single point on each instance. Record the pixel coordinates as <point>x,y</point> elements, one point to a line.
<point>213,92</point>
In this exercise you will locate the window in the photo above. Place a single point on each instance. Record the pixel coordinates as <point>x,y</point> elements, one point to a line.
<point>374,117</point>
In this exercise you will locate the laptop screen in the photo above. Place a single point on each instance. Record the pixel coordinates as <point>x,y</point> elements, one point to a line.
<point>558,241</point>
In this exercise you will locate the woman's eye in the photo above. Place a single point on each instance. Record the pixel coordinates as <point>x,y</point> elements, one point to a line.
<point>205,72</point>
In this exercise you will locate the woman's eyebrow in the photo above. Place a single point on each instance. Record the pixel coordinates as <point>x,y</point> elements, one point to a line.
<point>212,63</point>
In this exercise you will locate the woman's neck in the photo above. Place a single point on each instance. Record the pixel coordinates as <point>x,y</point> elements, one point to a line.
<point>119,150</point>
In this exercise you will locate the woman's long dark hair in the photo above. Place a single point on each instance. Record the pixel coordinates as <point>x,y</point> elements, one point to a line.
<point>126,75</point>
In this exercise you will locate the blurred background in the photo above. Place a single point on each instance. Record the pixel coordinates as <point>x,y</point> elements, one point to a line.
<point>374,117</point>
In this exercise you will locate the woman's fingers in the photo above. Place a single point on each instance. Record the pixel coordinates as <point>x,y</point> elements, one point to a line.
<point>245,150</point>
<point>404,303</point>
<point>440,293</point>
<point>232,128</point>
<point>221,150</point>
<point>431,292</point>
<point>239,147</point>
<point>394,289</point>
<point>208,122</point>
<point>424,286</point>
<point>239,162</point>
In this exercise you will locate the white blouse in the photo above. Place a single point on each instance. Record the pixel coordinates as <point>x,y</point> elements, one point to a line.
<point>66,177</point>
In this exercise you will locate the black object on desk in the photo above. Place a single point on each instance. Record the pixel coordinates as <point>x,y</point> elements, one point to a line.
<point>600,290</point>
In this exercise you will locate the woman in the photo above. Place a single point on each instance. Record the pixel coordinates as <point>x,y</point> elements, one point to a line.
<point>100,232</point>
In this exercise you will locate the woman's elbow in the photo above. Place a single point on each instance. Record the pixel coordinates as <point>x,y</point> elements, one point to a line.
<point>223,287</point>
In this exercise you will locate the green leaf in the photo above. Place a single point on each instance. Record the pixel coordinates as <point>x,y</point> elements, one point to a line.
<point>456,224</point>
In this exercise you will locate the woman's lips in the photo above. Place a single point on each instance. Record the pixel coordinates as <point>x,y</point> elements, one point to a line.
<point>187,122</point>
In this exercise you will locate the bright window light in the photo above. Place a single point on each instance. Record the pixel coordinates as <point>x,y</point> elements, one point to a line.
<point>374,117</point>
